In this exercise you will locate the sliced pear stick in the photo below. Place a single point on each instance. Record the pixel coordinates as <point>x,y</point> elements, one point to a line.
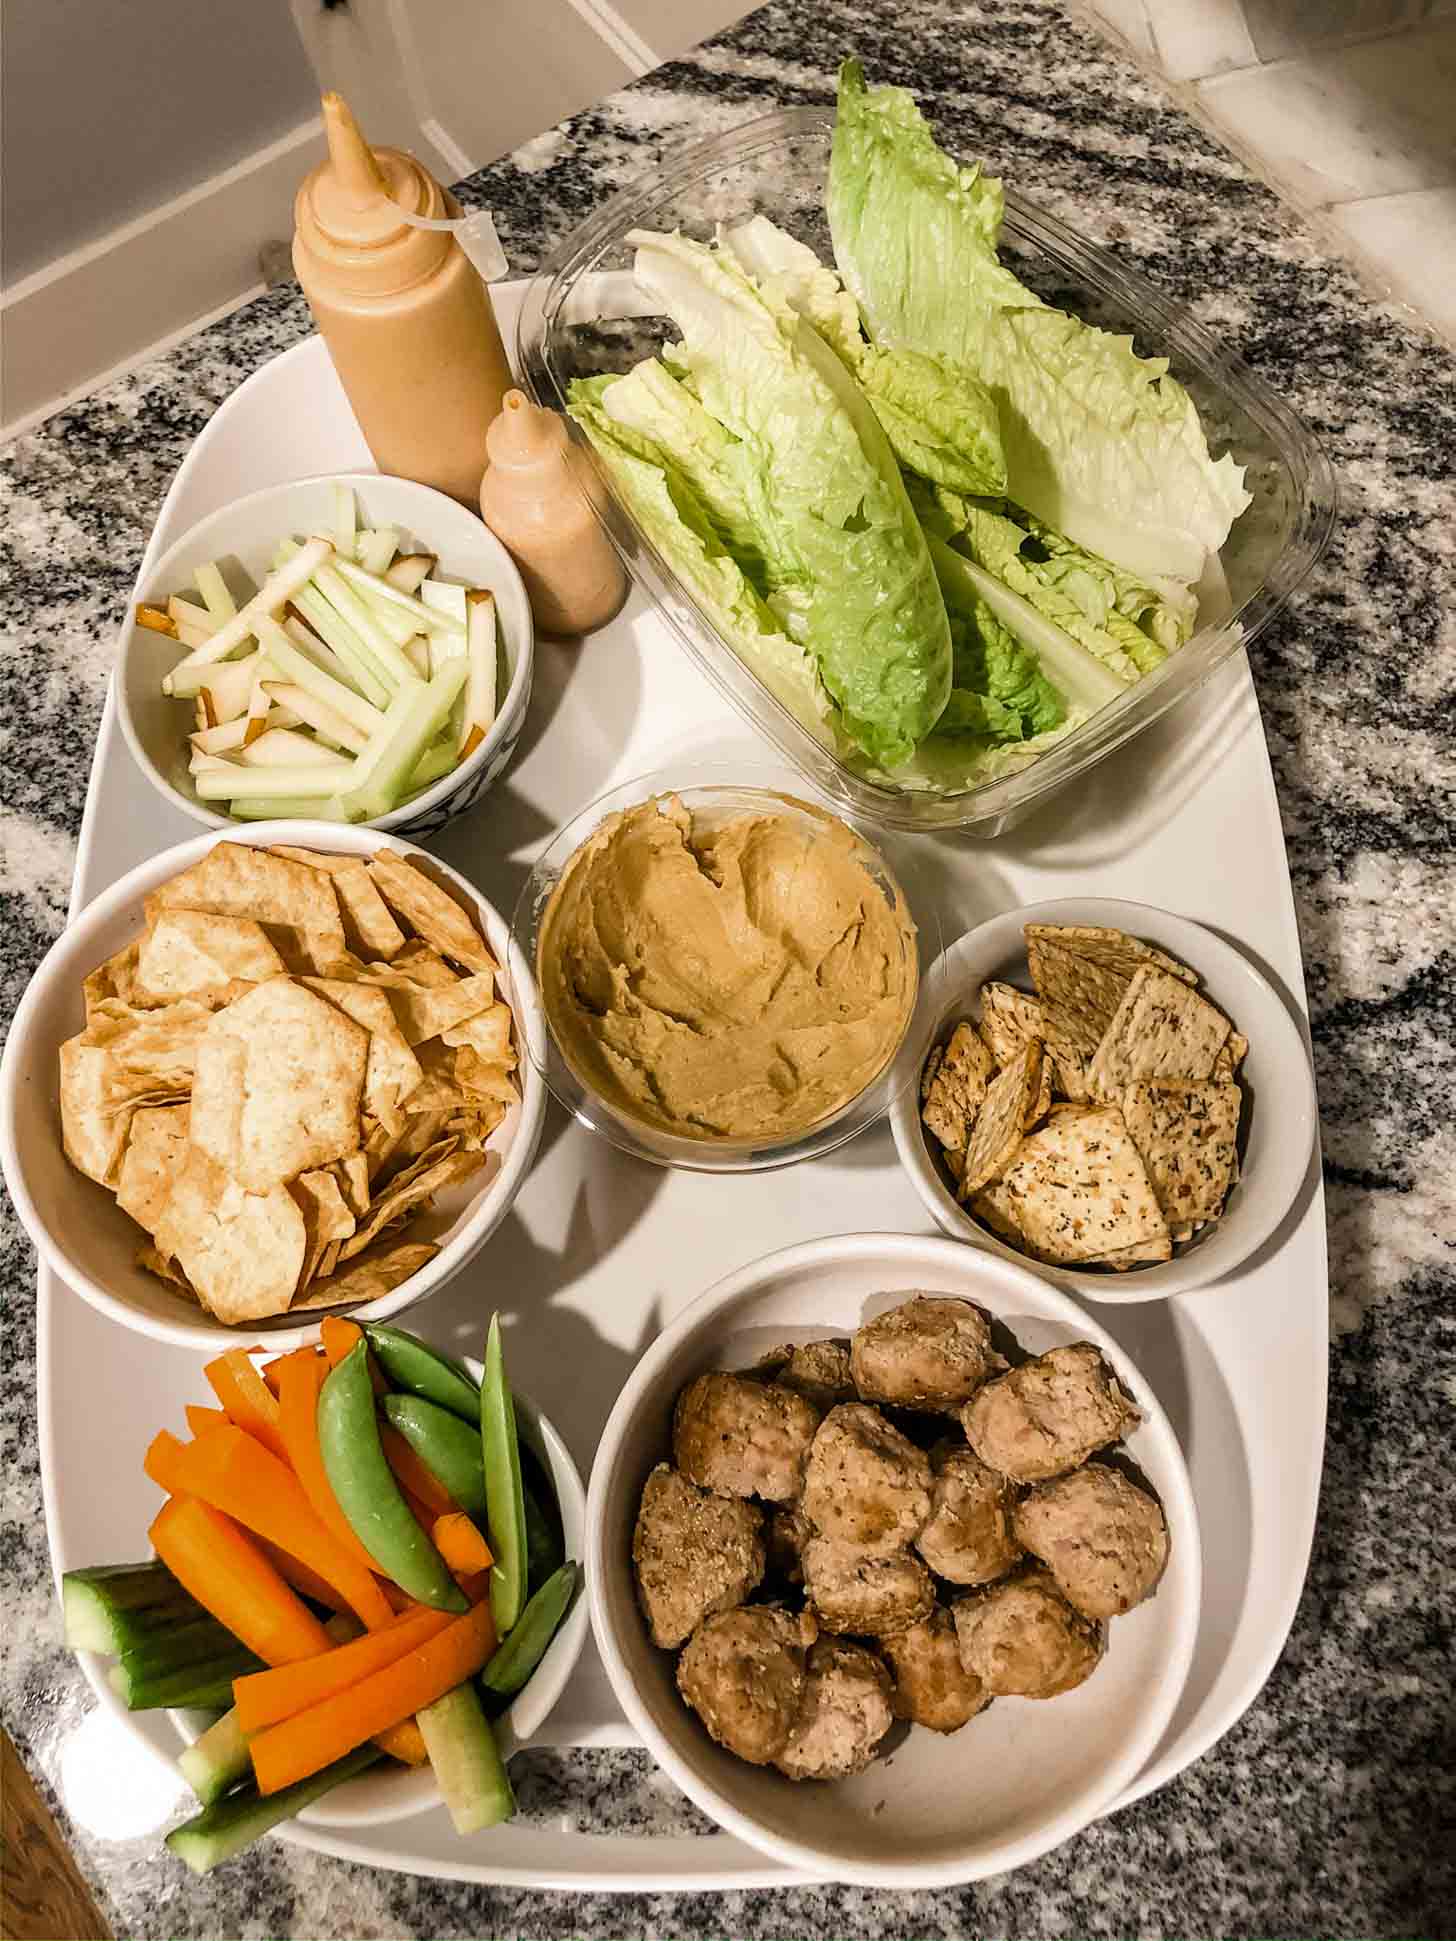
<point>318,714</point>
<point>407,571</point>
<point>416,651</point>
<point>199,762</point>
<point>284,747</point>
<point>192,637</point>
<point>346,603</point>
<point>322,655</point>
<point>155,621</point>
<point>376,548</point>
<point>480,684</point>
<point>346,520</point>
<point>251,808</point>
<point>366,672</point>
<point>214,590</point>
<point>294,665</point>
<point>200,715</point>
<point>194,615</point>
<point>259,702</point>
<point>446,598</point>
<point>399,625</point>
<point>385,589</point>
<point>227,738</point>
<point>261,784</point>
<point>230,683</point>
<point>275,592</point>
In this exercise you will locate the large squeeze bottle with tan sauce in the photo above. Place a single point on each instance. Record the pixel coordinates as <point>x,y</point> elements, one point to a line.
<point>403,310</point>
<point>534,499</point>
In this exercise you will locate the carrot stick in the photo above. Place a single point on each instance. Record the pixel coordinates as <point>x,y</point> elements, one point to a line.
<point>236,1474</point>
<point>272,1371</point>
<point>294,1571</point>
<point>300,1382</point>
<point>266,1697</point>
<point>339,1337</point>
<point>244,1395</point>
<point>199,1418</point>
<point>404,1741</point>
<point>476,1585</point>
<point>230,1577</point>
<point>313,1739</point>
<point>461,1544</point>
<point>412,1475</point>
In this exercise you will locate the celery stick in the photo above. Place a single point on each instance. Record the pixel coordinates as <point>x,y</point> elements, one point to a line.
<point>376,548</point>
<point>287,808</point>
<point>347,604</point>
<point>346,520</point>
<point>214,590</point>
<point>435,762</point>
<point>279,587</point>
<point>372,677</point>
<point>229,1825</point>
<point>413,722</point>
<point>386,590</point>
<point>268,784</point>
<point>408,571</point>
<point>296,666</point>
<point>322,655</point>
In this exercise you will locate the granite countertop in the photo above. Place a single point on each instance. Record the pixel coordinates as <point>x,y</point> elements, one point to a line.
<point>1320,1811</point>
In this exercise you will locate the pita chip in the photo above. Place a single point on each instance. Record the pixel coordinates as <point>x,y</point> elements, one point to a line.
<point>160,1045</point>
<point>155,1151</point>
<point>391,1071</point>
<point>1114,950</point>
<point>117,978</point>
<point>368,927</point>
<point>295,903</point>
<point>241,1251</point>
<point>194,953</point>
<point>278,1084</point>
<point>379,1270</point>
<point>1079,998</point>
<point>99,1099</point>
<point>437,918</point>
<point>423,1011</point>
<point>488,1034</point>
<point>326,1216</point>
<point>441,1166</point>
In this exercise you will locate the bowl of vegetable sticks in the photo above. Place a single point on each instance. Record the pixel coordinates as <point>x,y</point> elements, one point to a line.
<point>349,649</point>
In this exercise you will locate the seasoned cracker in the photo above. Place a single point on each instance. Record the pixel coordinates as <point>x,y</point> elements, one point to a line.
<point>1163,1029</point>
<point>1145,1253</point>
<point>1001,1121</point>
<point>1078,1190</point>
<point>965,1069</point>
<point>1187,1137</point>
<point>1009,1019</point>
<point>1113,949</point>
<point>1231,1054</point>
<point>1079,999</point>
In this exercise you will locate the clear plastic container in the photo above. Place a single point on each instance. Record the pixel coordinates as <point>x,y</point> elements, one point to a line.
<point>584,314</point>
<point>714,792</point>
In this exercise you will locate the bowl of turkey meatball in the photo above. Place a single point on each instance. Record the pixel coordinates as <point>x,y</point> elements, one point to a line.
<point>894,1562</point>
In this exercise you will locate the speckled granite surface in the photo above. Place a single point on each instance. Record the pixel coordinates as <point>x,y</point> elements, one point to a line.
<point>1321,1812</point>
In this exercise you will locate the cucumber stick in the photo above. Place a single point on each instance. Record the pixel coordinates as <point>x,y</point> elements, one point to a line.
<point>505,1504</point>
<point>114,1606</point>
<point>473,1778</point>
<point>216,1761</point>
<point>226,1827</point>
<point>192,1641</point>
<point>393,751</point>
<point>205,1687</point>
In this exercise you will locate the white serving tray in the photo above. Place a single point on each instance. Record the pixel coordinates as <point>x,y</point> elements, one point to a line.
<point>600,1250</point>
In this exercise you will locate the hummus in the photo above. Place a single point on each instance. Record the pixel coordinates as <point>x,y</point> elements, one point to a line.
<point>739,978</point>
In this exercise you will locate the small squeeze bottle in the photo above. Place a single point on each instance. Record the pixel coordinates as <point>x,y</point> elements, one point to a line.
<point>403,311</point>
<point>534,501</point>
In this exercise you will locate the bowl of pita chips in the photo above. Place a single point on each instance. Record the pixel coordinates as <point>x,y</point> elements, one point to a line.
<point>271,1075</point>
<point>1114,1095</point>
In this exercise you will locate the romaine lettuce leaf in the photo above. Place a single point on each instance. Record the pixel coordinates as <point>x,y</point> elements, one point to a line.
<point>1103,445</point>
<point>832,500</point>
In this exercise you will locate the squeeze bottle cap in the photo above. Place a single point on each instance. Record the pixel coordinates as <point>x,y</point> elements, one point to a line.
<point>524,437</point>
<point>353,213</point>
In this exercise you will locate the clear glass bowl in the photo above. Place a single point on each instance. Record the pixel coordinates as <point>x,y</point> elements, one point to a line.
<point>584,314</point>
<point>714,792</point>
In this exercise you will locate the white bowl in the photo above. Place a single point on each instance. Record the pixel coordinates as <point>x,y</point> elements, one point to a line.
<point>243,536</point>
<point>939,1810</point>
<point>396,1794</point>
<point>1279,1114</point>
<point>83,1235</point>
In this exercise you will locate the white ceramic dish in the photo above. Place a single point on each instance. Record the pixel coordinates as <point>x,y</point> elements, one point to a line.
<point>242,537</point>
<point>1279,1117</point>
<point>593,1250</point>
<point>941,1809</point>
<point>80,1230</point>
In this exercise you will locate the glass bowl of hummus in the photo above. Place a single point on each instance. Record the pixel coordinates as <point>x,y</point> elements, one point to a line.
<point>731,972</point>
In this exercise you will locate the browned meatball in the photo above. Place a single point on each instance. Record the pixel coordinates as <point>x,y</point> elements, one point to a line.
<point>932,1687</point>
<point>787,1532</point>
<point>1102,1538</point>
<point>743,1674</point>
<point>968,1538</point>
<point>874,1597</point>
<point>929,1353</point>
<point>1048,1416</point>
<point>1022,1638</point>
<point>819,1370</point>
<point>865,1484</point>
<point>693,1553</point>
<point>843,1715</point>
<point>738,1437</point>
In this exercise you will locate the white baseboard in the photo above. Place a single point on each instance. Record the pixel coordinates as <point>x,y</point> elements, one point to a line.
<point>130,293</point>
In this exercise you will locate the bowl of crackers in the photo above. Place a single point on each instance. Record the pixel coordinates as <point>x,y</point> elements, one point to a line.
<point>270,1075</point>
<point>1113,1095</point>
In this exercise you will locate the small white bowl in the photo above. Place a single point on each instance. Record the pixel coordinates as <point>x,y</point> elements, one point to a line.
<point>939,1810</point>
<point>1279,1114</point>
<point>243,537</point>
<point>398,1793</point>
<point>83,1235</point>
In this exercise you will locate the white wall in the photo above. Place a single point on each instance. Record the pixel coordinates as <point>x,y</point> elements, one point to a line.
<point>110,107</point>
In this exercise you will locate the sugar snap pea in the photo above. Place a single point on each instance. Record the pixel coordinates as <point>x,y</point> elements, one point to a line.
<point>448,1447</point>
<point>514,1661</point>
<point>505,1506</point>
<point>364,1486</point>
<point>544,1550</point>
<point>421,1370</point>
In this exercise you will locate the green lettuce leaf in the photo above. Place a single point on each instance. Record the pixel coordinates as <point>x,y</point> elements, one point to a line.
<point>1101,444</point>
<point>834,507</point>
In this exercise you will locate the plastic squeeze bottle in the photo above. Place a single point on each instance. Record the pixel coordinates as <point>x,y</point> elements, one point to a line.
<point>533,497</point>
<point>403,311</point>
